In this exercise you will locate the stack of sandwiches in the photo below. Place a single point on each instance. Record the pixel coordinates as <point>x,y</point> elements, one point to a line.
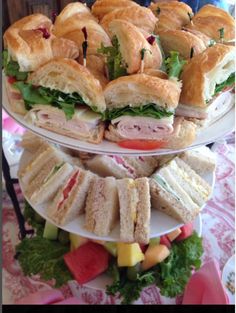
<point>177,190</point>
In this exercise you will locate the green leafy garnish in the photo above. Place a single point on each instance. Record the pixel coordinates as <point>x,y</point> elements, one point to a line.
<point>163,66</point>
<point>38,255</point>
<point>158,10</point>
<point>222,33</point>
<point>41,95</point>
<point>115,63</point>
<point>12,68</point>
<point>149,110</point>
<point>228,82</point>
<point>212,42</point>
<point>190,15</point>
<point>171,276</point>
<point>174,65</point>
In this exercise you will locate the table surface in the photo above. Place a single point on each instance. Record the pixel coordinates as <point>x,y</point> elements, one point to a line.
<point>217,232</point>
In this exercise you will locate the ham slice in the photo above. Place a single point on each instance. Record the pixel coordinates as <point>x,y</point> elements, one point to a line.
<point>84,125</point>
<point>138,127</point>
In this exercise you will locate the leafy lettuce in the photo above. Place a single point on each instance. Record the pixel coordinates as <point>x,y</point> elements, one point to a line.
<point>115,62</point>
<point>171,275</point>
<point>38,255</point>
<point>12,68</point>
<point>227,83</point>
<point>149,110</point>
<point>41,95</point>
<point>174,65</point>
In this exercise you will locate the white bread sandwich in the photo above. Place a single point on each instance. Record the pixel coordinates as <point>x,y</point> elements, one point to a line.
<point>178,191</point>
<point>67,100</point>
<point>135,209</point>
<point>111,165</point>
<point>41,163</point>
<point>102,206</point>
<point>69,201</point>
<point>52,182</point>
<point>144,166</point>
<point>202,160</point>
<point>32,142</point>
<point>207,80</point>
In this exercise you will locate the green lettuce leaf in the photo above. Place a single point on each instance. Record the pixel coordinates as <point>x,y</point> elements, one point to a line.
<point>114,60</point>
<point>228,82</point>
<point>171,275</point>
<point>163,66</point>
<point>12,68</point>
<point>41,95</point>
<point>174,65</point>
<point>149,110</point>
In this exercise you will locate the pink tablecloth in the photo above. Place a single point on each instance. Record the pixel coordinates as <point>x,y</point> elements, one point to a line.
<point>218,235</point>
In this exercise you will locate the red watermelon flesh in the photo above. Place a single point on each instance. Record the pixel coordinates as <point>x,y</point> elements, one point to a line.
<point>87,262</point>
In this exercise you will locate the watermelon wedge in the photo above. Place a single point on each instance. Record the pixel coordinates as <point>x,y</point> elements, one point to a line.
<point>87,262</point>
<point>186,231</point>
<point>165,241</point>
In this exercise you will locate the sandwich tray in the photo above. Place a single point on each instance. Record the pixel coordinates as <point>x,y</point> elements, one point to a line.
<point>160,222</point>
<point>100,282</point>
<point>208,135</point>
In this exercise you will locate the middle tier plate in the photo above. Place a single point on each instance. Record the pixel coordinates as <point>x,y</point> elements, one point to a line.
<point>160,222</point>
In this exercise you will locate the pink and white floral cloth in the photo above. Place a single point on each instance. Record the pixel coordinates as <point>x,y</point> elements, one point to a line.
<point>217,231</point>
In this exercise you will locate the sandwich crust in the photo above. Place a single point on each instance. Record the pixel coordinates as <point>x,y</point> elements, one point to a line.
<point>132,41</point>
<point>69,76</point>
<point>181,41</point>
<point>172,15</point>
<point>140,89</point>
<point>141,17</point>
<point>102,7</point>
<point>202,72</point>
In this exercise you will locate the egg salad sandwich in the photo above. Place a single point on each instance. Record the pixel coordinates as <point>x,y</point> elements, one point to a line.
<point>102,206</point>
<point>207,82</point>
<point>64,97</point>
<point>178,191</point>
<point>135,209</point>
<point>70,199</point>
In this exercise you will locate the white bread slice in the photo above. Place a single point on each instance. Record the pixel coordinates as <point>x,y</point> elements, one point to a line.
<point>197,188</point>
<point>74,204</point>
<point>48,190</point>
<point>102,206</point>
<point>32,142</point>
<point>144,166</point>
<point>202,160</point>
<point>105,165</point>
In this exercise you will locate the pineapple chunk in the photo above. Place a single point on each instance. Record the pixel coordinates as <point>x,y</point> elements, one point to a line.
<point>174,234</point>
<point>129,254</point>
<point>153,255</point>
<point>76,241</point>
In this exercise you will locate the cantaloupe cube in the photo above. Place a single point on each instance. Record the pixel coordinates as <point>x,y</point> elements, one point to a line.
<point>129,254</point>
<point>154,255</point>
<point>174,234</point>
<point>76,241</point>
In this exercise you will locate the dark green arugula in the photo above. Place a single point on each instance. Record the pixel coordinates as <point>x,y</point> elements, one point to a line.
<point>12,68</point>
<point>38,255</point>
<point>149,110</point>
<point>227,83</point>
<point>174,65</point>
<point>41,95</point>
<point>171,276</point>
<point>115,63</point>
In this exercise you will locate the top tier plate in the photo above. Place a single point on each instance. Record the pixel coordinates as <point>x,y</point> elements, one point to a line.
<point>209,134</point>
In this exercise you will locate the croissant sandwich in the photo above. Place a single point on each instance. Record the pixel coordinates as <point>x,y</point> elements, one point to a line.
<point>125,56</point>
<point>207,80</point>
<point>29,43</point>
<point>63,96</point>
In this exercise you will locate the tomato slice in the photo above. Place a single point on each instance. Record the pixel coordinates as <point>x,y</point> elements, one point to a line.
<point>11,80</point>
<point>141,144</point>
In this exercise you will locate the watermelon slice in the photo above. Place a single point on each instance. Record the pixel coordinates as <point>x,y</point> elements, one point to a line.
<point>165,241</point>
<point>87,262</point>
<point>186,231</point>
